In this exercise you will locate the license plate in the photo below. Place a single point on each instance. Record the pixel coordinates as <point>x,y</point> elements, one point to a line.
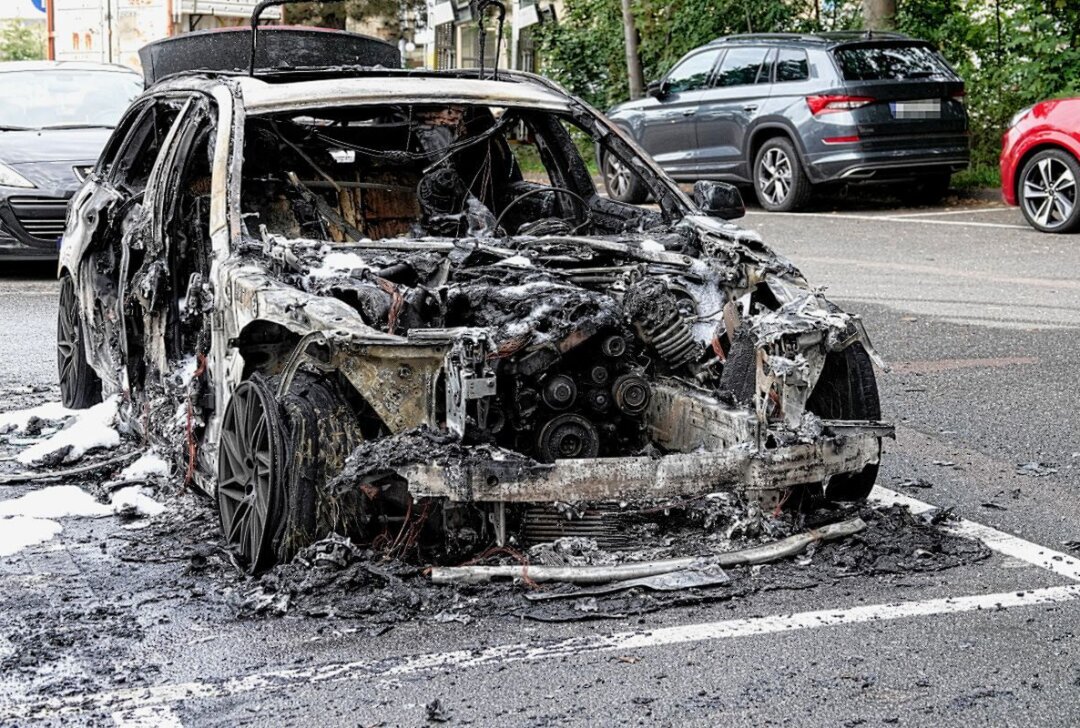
<point>921,109</point>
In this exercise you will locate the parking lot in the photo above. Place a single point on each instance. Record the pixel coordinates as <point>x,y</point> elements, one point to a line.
<point>977,316</point>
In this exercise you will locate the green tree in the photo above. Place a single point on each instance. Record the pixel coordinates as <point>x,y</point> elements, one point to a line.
<point>1011,53</point>
<point>21,42</point>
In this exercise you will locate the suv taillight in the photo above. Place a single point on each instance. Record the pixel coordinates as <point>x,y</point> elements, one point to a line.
<point>833,104</point>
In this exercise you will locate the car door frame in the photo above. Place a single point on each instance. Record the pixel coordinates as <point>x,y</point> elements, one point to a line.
<point>728,113</point>
<point>675,113</point>
<point>96,204</point>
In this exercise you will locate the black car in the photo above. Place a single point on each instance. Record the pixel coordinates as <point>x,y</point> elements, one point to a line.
<point>787,112</point>
<point>55,117</point>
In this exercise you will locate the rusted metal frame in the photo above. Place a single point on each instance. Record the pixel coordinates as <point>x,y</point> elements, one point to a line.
<point>621,478</point>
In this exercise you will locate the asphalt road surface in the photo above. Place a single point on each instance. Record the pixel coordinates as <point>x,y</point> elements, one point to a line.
<point>979,317</point>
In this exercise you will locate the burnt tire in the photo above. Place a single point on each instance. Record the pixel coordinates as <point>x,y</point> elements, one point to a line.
<point>80,386</point>
<point>847,390</point>
<point>621,182</point>
<point>321,430</point>
<point>780,183</point>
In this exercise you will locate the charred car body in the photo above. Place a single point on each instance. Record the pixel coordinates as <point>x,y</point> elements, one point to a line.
<point>340,301</point>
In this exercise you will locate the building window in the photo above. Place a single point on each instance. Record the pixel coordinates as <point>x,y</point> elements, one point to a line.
<point>470,47</point>
<point>445,53</point>
<point>527,56</point>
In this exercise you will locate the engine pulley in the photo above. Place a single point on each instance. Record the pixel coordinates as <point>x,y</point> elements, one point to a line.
<point>631,394</point>
<point>559,392</point>
<point>567,436</point>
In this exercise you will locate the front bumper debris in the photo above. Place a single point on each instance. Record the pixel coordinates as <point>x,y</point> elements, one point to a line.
<point>740,468</point>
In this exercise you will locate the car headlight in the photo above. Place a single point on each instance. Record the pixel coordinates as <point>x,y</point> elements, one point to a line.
<point>11,178</point>
<point>1019,115</point>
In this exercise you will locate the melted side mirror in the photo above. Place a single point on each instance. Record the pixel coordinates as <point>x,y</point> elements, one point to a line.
<point>719,199</point>
<point>656,89</point>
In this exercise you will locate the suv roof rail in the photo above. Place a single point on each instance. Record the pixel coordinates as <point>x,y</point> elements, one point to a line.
<point>826,37</point>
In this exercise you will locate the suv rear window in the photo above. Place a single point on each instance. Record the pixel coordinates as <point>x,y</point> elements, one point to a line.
<point>791,65</point>
<point>890,63</point>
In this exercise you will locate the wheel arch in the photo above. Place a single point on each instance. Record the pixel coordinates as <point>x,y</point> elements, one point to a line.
<point>770,130</point>
<point>1040,146</point>
<point>266,346</point>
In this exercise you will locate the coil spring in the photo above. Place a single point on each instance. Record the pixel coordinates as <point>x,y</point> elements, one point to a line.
<point>674,340</point>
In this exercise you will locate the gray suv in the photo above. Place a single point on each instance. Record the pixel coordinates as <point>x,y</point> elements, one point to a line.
<point>789,112</point>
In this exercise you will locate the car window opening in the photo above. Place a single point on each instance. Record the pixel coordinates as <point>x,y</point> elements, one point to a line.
<point>418,171</point>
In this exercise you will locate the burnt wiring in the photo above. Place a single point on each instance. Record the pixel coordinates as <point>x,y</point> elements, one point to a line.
<point>578,198</point>
<point>407,155</point>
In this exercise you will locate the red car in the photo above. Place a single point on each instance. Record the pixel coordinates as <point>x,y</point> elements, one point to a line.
<point>1040,167</point>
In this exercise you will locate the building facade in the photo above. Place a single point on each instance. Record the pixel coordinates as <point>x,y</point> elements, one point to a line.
<point>452,36</point>
<point>112,31</point>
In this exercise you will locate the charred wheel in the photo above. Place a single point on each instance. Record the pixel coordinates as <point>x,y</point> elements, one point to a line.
<point>250,472</point>
<point>847,390</point>
<point>321,430</point>
<point>79,384</point>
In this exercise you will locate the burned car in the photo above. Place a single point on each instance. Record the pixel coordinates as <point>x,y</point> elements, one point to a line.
<point>341,301</point>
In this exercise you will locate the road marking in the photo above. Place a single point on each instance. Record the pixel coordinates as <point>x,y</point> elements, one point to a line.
<point>151,716</point>
<point>954,212</point>
<point>933,366</point>
<point>897,218</point>
<point>129,700</point>
<point>1055,283</point>
<point>1004,543</point>
<point>132,703</point>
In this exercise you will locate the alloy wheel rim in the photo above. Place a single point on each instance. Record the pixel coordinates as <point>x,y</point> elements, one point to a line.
<point>248,474</point>
<point>618,175</point>
<point>67,341</point>
<point>1049,192</point>
<point>774,177</point>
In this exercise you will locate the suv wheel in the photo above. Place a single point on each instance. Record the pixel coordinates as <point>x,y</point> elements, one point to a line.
<point>1048,192</point>
<point>621,182</point>
<point>779,180</point>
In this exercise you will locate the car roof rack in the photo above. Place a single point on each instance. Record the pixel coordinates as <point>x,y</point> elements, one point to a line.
<point>836,37</point>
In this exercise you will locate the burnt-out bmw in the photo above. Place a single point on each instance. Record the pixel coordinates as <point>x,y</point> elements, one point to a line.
<point>392,304</point>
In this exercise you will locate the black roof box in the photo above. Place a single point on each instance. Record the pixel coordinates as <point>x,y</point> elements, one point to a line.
<point>228,50</point>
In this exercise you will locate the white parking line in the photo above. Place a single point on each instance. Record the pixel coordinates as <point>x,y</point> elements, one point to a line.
<point>1004,543</point>
<point>365,671</point>
<point>954,212</point>
<point>139,703</point>
<point>898,218</point>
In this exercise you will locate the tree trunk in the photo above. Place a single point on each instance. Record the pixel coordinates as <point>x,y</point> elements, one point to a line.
<point>879,14</point>
<point>633,60</point>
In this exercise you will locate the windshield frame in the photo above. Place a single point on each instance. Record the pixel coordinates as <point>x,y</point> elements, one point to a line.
<point>673,202</point>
